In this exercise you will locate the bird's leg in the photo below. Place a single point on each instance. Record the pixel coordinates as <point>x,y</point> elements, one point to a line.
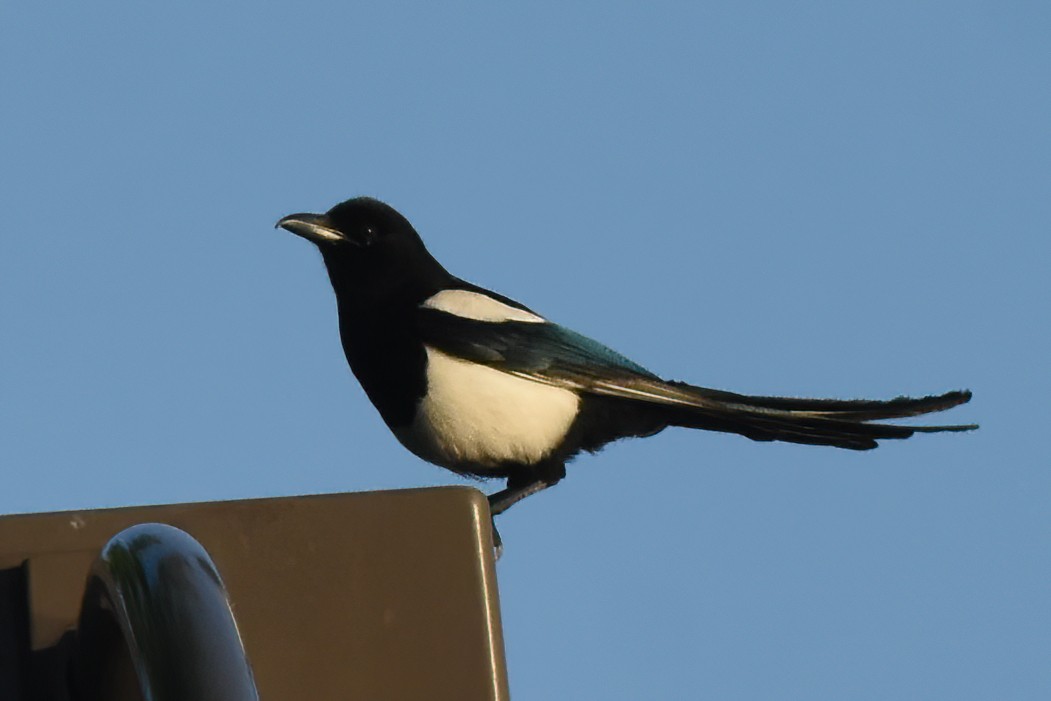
<point>518,488</point>
<point>501,501</point>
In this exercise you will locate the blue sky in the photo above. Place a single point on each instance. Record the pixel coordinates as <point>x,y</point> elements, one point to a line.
<point>823,199</point>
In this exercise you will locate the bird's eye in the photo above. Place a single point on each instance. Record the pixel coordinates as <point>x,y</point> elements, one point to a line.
<point>368,236</point>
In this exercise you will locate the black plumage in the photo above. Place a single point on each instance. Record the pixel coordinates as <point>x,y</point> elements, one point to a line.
<point>480,384</point>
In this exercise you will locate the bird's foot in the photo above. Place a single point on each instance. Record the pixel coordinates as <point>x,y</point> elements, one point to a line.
<point>498,542</point>
<point>517,490</point>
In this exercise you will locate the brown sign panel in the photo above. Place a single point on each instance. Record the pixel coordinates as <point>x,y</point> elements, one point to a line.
<point>383,595</point>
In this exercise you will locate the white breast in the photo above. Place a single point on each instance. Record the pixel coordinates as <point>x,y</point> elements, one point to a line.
<point>483,417</point>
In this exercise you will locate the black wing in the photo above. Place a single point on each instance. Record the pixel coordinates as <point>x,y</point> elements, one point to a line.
<point>554,355</point>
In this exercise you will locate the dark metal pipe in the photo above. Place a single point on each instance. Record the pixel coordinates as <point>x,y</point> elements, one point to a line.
<point>14,634</point>
<point>156,624</point>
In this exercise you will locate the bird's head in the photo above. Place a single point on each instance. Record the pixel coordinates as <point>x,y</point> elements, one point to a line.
<point>366,243</point>
<point>358,227</point>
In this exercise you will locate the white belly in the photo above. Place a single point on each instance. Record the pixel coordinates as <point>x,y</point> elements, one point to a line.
<point>482,417</point>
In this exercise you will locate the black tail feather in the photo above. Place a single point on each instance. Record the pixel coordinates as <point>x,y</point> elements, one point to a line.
<point>833,422</point>
<point>855,409</point>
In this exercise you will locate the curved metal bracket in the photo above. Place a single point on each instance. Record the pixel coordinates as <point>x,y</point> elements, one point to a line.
<point>156,624</point>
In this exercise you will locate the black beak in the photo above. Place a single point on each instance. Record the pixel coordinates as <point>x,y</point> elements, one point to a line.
<point>313,227</point>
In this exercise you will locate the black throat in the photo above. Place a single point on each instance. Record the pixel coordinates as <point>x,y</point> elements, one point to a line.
<point>377,301</point>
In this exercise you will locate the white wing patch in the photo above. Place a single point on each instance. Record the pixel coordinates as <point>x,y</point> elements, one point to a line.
<point>477,306</point>
<point>477,415</point>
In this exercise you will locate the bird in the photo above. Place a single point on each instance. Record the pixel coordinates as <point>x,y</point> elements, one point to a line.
<point>484,386</point>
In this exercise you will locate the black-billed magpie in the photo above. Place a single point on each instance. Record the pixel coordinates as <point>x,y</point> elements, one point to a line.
<point>482,385</point>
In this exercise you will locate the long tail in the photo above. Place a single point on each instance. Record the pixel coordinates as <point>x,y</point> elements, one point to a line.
<point>835,422</point>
